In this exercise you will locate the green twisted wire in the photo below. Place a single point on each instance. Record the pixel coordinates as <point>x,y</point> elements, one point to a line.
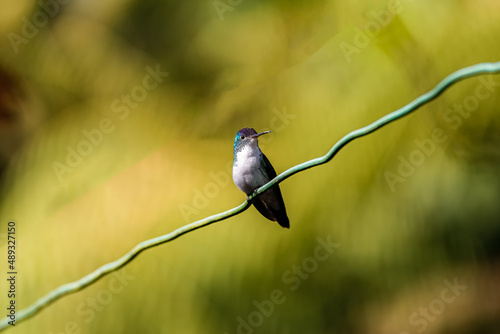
<point>91,278</point>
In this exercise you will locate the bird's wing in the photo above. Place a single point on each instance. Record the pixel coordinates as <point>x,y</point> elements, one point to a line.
<point>270,203</point>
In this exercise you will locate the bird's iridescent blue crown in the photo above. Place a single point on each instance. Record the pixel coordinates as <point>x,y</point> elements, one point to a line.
<point>242,138</point>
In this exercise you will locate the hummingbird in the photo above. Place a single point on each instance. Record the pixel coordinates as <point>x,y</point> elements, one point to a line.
<point>251,170</point>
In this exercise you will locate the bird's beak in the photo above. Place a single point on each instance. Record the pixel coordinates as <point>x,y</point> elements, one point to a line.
<point>259,134</point>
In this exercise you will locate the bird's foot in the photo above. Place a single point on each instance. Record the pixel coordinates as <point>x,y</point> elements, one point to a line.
<point>253,195</point>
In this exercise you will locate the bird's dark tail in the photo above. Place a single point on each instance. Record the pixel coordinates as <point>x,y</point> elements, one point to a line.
<point>270,204</point>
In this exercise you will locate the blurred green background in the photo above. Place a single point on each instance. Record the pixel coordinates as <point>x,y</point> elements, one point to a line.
<point>101,149</point>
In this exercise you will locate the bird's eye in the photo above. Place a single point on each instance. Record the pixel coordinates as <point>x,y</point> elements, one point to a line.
<point>242,137</point>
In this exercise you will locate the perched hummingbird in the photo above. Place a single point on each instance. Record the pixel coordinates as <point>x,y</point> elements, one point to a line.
<point>251,170</point>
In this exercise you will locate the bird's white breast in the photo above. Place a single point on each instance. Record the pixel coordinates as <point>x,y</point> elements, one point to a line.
<point>246,172</point>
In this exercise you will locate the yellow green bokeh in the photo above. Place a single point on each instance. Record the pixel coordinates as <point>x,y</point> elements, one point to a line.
<point>102,149</point>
